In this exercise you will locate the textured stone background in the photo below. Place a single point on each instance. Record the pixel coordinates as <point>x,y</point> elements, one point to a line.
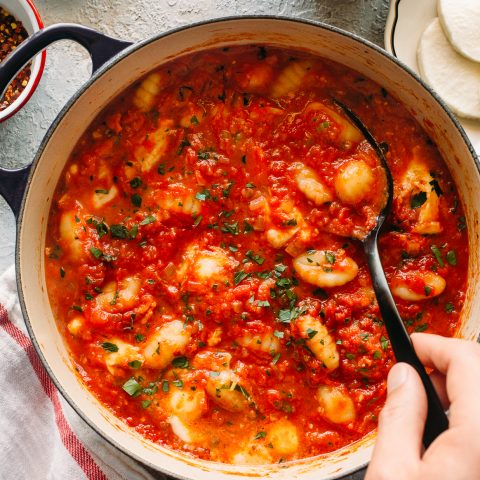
<point>68,65</point>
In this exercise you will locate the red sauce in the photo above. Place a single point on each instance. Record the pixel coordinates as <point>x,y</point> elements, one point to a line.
<point>199,257</point>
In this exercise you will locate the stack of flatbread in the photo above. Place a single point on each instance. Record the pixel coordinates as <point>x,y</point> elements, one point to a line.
<point>449,55</point>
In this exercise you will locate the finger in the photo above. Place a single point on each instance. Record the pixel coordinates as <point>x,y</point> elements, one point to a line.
<point>439,382</point>
<point>459,360</point>
<point>399,442</point>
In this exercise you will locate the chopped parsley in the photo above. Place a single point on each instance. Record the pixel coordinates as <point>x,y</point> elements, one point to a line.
<point>132,387</point>
<point>451,258</point>
<point>147,220</point>
<point>418,200</point>
<point>109,347</point>
<point>136,182</point>
<point>136,200</point>
<point>437,254</point>
<point>180,362</point>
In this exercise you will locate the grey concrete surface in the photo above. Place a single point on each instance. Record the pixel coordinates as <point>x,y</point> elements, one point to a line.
<point>68,65</point>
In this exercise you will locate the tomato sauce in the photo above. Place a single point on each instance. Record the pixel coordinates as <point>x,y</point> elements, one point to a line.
<point>201,259</point>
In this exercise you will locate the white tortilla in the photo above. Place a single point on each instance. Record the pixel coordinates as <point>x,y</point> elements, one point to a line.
<point>455,78</point>
<point>460,20</point>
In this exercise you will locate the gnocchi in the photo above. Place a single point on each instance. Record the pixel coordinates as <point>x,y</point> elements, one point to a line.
<point>169,340</point>
<point>354,182</point>
<point>319,341</point>
<point>422,286</point>
<point>335,405</point>
<point>325,269</point>
<point>310,185</point>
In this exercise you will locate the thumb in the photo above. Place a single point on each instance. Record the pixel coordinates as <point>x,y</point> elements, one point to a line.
<point>401,423</point>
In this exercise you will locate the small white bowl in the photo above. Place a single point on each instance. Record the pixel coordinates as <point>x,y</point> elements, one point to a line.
<point>25,12</point>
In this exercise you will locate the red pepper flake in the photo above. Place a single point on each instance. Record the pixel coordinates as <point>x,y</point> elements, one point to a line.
<point>12,34</point>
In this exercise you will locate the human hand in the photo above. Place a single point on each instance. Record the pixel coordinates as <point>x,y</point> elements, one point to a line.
<point>455,454</point>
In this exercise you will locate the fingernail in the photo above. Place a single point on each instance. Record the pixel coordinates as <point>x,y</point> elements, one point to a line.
<point>397,376</point>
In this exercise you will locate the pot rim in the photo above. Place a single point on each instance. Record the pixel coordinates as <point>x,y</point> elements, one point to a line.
<point>102,71</point>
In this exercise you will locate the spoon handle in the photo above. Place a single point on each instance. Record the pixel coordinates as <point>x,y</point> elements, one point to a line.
<point>437,421</point>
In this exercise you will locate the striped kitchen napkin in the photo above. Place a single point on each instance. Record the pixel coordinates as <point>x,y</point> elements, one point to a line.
<point>41,436</point>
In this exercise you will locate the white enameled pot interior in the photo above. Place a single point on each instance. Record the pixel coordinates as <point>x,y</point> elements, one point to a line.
<point>23,12</point>
<point>323,41</point>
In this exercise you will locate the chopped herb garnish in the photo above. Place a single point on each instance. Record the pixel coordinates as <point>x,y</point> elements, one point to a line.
<point>136,200</point>
<point>330,257</point>
<point>247,227</point>
<point>239,277</point>
<point>62,272</point>
<point>428,290</point>
<point>377,354</point>
<point>161,169</point>
<point>449,307</point>
<point>197,220</point>
<point>132,387</point>
<point>146,403</point>
<point>135,364</point>
<point>194,120</point>
<point>227,189</point>
<point>139,337</point>
<point>203,155</point>
<point>291,223</point>
<point>451,257</point>
<point>311,333</point>
<point>230,228</point>
<point>147,220</point>
<point>136,182</point>
<point>184,143</point>
<point>118,231</point>
<point>383,342</point>
<point>102,191</point>
<point>278,334</point>
<point>437,254</point>
<point>109,347</point>
<point>96,252</point>
<point>288,315</point>
<point>180,362</point>
<point>165,386</point>
<point>263,303</point>
<point>205,195</point>
<point>250,185</point>
<point>418,200</point>
<point>421,328</point>
<point>254,257</point>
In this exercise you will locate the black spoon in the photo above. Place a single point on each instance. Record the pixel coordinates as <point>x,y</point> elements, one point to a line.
<point>437,421</point>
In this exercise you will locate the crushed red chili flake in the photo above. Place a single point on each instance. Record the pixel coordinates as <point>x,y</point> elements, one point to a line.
<point>12,33</point>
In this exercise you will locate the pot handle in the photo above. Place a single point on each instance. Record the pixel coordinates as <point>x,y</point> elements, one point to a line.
<point>101,49</point>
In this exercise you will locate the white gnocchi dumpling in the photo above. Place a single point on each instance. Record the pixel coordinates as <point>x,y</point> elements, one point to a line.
<point>169,340</point>
<point>266,342</point>
<point>282,435</point>
<point>428,285</point>
<point>354,182</point>
<point>68,228</point>
<point>183,430</point>
<point>188,404</point>
<point>150,152</point>
<point>224,388</point>
<point>418,181</point>
<point>310,185</point>
<point>76,325</point>
<point>335,404</point>
<point>290,78</point>
<point>121,296</point>
<point>151,86</point>
<point>125,354</point>
<point>102,197</point>
<point>325,269</point>
<point>349,132</point>
<point>319,341</point>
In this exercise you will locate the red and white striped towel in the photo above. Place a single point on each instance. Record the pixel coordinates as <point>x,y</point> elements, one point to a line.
<point>41,436</point>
